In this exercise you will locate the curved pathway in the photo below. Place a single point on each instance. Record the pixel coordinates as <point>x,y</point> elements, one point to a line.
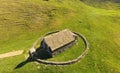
<point>66,62</point>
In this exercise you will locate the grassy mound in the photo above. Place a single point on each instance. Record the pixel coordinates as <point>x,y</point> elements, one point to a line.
<point>22,22</point>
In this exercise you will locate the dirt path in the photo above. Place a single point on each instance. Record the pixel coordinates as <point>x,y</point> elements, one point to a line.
<point>10,54</point>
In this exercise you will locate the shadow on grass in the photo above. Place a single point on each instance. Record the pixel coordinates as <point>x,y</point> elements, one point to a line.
<point>40,53</point>
<point>29,59</point>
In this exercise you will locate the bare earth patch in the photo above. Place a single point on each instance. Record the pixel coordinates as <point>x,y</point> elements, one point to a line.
<point>10,54</point>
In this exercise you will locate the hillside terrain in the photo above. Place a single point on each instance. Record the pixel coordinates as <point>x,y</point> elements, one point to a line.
<point>106,4</point>
<point>23,21</point>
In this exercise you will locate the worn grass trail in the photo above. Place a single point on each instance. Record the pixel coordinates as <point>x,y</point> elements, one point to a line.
<point>11,54</point>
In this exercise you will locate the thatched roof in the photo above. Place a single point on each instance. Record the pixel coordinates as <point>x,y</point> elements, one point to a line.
<point>59,39</point>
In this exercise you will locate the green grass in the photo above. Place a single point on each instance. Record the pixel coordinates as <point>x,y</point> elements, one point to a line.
<point>22,22</point>
<point>105,4</point>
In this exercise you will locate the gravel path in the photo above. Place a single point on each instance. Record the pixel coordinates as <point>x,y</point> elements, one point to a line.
<point>79,58</point>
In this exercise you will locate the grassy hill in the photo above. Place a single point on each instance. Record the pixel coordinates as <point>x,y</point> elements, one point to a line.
<point>22,22</point>
<point>106,4</point>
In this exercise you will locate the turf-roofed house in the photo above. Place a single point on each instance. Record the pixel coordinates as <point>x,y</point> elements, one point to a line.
<point>55,43</point>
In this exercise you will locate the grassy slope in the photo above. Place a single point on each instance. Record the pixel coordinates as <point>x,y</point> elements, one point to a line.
<point>21,22</point>
<point>106,4</point>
